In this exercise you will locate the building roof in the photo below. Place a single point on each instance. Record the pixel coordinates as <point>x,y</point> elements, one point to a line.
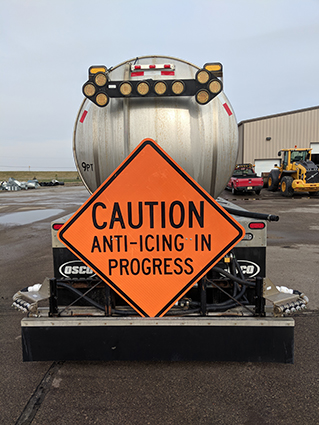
<point>279,115</point>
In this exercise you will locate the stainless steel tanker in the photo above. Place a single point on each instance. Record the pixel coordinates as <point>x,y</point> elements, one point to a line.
<point>220,312</point>
<point>201,137</point>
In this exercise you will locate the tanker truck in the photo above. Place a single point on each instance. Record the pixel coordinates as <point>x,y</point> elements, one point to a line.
<point>155,265</point>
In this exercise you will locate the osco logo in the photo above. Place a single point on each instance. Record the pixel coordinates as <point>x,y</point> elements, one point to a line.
<point>249,268</point>
<point>76,269</point>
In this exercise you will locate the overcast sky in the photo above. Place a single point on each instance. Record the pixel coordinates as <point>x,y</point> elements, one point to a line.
<point>269,50</point>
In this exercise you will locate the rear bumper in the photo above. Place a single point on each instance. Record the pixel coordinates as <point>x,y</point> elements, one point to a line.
<point>300,186</point>
<point>248,188</point>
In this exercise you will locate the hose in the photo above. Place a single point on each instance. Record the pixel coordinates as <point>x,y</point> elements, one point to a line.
<point>233,302</point>
<point>259,216</point>
<point>240,272</point>
<point>234,278</point>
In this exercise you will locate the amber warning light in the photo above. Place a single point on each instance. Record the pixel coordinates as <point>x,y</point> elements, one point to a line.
<point>150,231</point>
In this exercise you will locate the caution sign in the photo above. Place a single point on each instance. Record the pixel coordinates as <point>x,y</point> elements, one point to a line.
<point>150,231</point>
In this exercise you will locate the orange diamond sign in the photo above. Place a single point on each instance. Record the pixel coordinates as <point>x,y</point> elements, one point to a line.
<point>150,231</point>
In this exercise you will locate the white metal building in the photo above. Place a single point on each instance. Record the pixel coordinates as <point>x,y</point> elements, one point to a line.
<point>262,138</point>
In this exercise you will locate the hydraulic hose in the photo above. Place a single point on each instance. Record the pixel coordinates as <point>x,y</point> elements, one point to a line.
<point>235,278</point>
<point>240,272</point>
<point>218,307</point>
<point>233,272</point>
<point>259,216</point>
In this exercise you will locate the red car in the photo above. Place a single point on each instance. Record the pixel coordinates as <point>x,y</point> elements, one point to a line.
<point>244,179</point>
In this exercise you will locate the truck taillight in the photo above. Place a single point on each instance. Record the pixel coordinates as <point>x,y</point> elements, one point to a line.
<point>257,225</point>
<point>57,226</point>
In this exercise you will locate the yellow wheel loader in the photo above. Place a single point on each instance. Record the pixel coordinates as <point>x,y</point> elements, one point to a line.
<point>297,173</point>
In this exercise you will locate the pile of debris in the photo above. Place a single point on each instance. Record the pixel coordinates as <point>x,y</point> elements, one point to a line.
<point>52,183</point>
<point>14,184</point>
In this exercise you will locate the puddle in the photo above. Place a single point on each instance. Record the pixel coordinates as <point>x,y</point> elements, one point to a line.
<point>27,217</point>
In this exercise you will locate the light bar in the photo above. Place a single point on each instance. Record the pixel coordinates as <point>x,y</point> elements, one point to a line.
<point>99,89</point>
<point>152,67</point>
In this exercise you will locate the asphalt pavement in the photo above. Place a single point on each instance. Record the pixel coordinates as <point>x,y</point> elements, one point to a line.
<point>157,392</point>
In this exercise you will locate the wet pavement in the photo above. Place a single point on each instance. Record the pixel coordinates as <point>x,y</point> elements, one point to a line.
<point>159,392</point>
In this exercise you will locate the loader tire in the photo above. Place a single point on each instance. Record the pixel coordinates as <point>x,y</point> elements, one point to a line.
<point>286,186</point>
<point>273,180</point>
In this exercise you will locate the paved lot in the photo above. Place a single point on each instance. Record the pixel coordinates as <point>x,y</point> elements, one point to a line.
<point>158,393</point>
